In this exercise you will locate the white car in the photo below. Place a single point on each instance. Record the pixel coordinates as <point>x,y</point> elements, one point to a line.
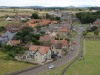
<point>72,49</point>
<point>51,66</point>
<point>79,33</point>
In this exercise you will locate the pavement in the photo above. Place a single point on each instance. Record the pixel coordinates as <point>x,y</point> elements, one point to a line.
<point>69,57</point>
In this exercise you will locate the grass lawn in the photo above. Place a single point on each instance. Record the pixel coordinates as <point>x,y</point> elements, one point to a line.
<point>7,66</point>
<point>74,33</point>
<point>76,23</point>
<point>91,63</point>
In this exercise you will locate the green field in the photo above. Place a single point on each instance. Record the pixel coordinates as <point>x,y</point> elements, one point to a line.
<point>4,23</point>
<point>7,66</point>
<point>91,63</point>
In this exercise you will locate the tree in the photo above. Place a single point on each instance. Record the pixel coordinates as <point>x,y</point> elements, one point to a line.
<point>27,29</point>
<point>58,18</point>
<point>35,41</point>
<point>2,28</point>
<point>96,32</point>
<point>85,33</point>
<point>25,34</point>
<point>94,28</point>
<point>88,17</point>
<point>12,51</point>
<point>38,27</point>
<point>47,16</point>
<point>34,16</point>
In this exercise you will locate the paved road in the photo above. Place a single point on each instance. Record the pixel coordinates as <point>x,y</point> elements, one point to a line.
<point>70,56</point>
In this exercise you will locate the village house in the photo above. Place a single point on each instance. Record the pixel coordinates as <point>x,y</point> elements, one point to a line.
<point>39,54</point>
<point>44,22</point>
<point>55,14</point>
<point>59,47</point>
<point>97,23</point>
<point>40,22</point>
<point>9,18</point>
<point>46,38</point>
<point>14,27</point>
<point>32,23</point>
<point>62,33</point>
<point>13,42</point>
<point>5,37</point>
<point>22,17</point>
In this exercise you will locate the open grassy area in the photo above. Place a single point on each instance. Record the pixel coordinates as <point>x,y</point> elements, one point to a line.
<point>7,66</point>
<point>74,33</point>
<point>76,24</point>
<point>91,63</point>
<point>4,23</point>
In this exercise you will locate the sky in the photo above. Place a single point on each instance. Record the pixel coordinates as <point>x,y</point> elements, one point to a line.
<point>48,3</point>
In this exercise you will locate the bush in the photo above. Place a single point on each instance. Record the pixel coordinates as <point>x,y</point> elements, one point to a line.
<point>35,16</point>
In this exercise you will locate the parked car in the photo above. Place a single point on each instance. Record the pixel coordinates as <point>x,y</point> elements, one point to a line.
<point>51,66</point>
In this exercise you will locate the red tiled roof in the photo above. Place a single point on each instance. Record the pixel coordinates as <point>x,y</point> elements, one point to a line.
<point>44,22</point>
<point>54,22</point>
<point>33,48</point>
<point>62,29</point>
<point>53,41</point>
<point>64,42</point>
<point>97,22</point>
<point>14,42</point>
<point>0,35</point>
<point>44,38</point>
<point>41,49</point>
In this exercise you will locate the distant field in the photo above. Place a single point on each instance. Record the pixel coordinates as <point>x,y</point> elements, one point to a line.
<point>91,63</point>
<point>4,12</point>
<point>4,23</point>
<point>7,66</point>
<point>14,13</point>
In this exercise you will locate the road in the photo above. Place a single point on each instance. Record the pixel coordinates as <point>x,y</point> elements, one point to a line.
<point>70,56</point>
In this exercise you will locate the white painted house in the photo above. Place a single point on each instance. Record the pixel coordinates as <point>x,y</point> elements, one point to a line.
<point>40,54</point>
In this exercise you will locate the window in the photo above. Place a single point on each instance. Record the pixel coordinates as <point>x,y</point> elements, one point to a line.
<point>52,47</point>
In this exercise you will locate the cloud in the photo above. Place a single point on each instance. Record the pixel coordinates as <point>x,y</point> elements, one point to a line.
<point>49,2</point>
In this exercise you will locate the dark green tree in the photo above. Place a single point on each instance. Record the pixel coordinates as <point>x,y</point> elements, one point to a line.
<point>34,16</point>
<point>96,32</point>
